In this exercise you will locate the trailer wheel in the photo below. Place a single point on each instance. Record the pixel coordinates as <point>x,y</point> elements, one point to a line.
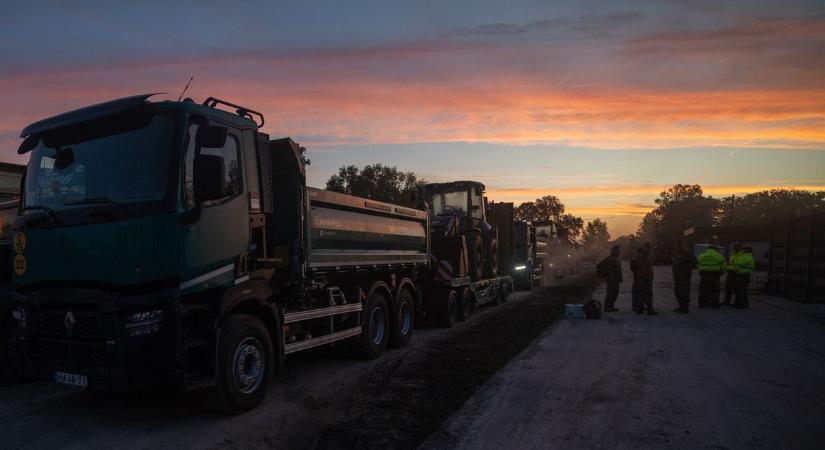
<point>475,256</point>
<point>245,364</point>
<point>449,310</point>
<point>465,304</point>
<point>403,319</point>
<point>375,324</point>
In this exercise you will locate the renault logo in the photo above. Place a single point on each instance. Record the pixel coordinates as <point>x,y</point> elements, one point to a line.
<point>69,322</point>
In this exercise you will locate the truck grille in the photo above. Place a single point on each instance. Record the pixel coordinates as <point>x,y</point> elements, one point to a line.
<point>91,353</point>
<point>86,324</point>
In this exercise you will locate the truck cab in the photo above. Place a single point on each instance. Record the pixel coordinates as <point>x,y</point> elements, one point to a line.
<point>527,267</point>
<point>109,259</point>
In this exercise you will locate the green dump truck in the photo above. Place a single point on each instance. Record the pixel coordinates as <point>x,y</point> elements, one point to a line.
<point>518,246</point>
<point>173,244</point>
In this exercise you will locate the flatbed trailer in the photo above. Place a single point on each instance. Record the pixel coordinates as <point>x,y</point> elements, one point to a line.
<point>454,300</point>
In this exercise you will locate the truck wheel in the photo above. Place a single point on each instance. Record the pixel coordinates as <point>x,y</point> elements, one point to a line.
<point>375,324</point>
<point>491,263</point>
<point>475,256</point>
<point>245,364</point>
<point>449,310</point>
<point>403,319</point>
<point>465,305</point>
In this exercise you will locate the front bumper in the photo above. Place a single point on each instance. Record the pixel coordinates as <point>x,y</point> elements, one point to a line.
<point>84,332</point>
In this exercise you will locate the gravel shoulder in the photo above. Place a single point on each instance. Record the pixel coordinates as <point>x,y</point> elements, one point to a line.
<point>311,403</point>
<point>710,379</point>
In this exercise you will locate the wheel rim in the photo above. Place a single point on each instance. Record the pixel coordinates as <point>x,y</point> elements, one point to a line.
<point>378,325</point>
<point>406,318</point>
<point>248,365</point>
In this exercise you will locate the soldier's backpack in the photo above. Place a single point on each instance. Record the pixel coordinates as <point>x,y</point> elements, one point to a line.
<point>601,269</point>
<point>593,309</point>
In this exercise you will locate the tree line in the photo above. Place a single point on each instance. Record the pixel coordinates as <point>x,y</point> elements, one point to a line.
<point>388,184</point>
<point>679,207</point>
<point>685,205</point>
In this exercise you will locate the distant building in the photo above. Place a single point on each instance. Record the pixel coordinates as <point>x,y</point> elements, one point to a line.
<point>10,176</point>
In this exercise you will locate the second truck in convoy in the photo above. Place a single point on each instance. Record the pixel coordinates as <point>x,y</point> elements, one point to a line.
<point>174,244</point>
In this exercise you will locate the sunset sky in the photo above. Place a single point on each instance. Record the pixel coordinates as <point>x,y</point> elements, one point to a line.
<point>602,103</point>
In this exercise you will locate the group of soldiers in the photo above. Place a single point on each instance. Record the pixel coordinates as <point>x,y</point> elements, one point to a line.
<point>711,264</point>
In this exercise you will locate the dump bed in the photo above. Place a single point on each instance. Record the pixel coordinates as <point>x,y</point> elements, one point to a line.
<point>345,231</point>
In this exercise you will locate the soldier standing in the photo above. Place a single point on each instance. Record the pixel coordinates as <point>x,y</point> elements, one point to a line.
<point>730,274</point>
<point>711,265</point>
<point>744,266</point>
<point>611,270</point>
<point>683,264</point>
<point>642,268</point>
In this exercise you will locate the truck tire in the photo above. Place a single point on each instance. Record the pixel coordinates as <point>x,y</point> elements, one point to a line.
<point>491,262</point>
<point>375,325</point>
<point>475,257</point>
<point>465,304</point>
<point>449,310</point>
<point>403,319</point>
<point>245,364</point>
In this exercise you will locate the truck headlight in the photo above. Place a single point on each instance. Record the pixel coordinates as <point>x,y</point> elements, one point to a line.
<point>144,322</point>
<point>521,267</point>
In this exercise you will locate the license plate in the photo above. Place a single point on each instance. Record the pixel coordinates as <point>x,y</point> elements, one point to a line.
<point>71,379</point>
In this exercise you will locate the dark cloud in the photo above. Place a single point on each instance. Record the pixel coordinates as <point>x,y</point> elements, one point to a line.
<point>751,53</point>
<point>588,25</point>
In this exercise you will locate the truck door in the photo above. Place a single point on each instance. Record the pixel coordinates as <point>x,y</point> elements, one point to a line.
<point>216,232</point>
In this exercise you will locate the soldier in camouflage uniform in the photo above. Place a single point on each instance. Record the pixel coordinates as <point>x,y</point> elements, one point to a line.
<point>642,267</point>
<point>683,264</point>
<point>611,270</point>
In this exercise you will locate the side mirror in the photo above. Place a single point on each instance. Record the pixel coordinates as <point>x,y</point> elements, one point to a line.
<point>209,178</point>
<point>28,144</point>
<point>210,136</point>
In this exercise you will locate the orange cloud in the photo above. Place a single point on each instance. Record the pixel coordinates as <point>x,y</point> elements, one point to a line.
<point>622,190</point>
<point>338,106</point>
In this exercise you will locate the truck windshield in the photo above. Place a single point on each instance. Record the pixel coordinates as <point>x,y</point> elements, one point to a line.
<point>121,160</point>
<point>449,202</point>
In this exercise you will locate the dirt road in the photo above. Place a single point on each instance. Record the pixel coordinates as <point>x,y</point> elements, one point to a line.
<point>321,399</point>
<point>711,379</point>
